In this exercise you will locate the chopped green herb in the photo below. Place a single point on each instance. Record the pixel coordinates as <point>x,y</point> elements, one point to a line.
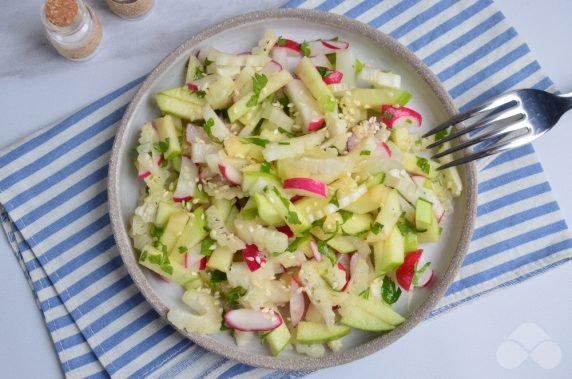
<point>235,294</point>
<point>208,126</point>
<point>255,141</point>
<point>346,215</point>
<point>325,251</point>
<point>441,134</point>
<point>265,167</point>
<point>376,227</point>
<point>332,58</point>
<point>323,71</point>
<point>200,94</point>
<point>365,152</point>
<point>258,83</point>
<point>183,249</point>
<point>419,272</point>
<point>305,49</point>
<point>156,233</point>
<point>423,164</point>
<point>167,268</point>
<point>405,228</point>
<point>387,115</point>
<point>284,143</point>
<point>216,276</point>
<point>293,218</point>
<point>208,62</point>
<point>285,132</point>
<point>206,246</point>
<point>334,200</point>
<point>294,244</point>
<point>143,256</point>
<point>223,326</point>
<point>390,292</point>
<point>364,294</point>
<point>281,41</point>
<point>161,146</point>
<point>336,38</point>
<point>155,259</point>
<point>358,67</point>
<point>198,73</point>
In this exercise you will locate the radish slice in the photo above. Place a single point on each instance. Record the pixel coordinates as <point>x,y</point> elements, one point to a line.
<point>291,46</point>
<point>344,265</point>
<point>440,217</point>
<point>419,180</point>
<point>394,116</point>
<point>306,187</point>
<point>230,173</point>
<point>314,247</point>
<point>297,302</point>
<point>194,261</point>
<point>192,87</point>
<point>315,125</point>
<point>322,47</point>
<point>425,279</point>
<point>321,61</point>
<point>333,78</point>
<point>145,165</point>
<point>286,230</point>
<point>280,55</point>
<point>296,198</point>
<point>405,273</point>
<point>353,141</point>
<point>188,178</point>
<point>250,320</point>
<point>253,257</point>
<point>271,67</point>
<point>385,149</point>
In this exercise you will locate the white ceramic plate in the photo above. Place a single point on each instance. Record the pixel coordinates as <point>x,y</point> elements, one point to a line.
<point>241,34</point>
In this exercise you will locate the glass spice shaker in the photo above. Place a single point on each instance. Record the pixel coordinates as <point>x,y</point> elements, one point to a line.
<point>72,28</point>
<point>130,9</point>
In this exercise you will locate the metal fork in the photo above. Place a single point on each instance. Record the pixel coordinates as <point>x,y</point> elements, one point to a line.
<point>502,123</point>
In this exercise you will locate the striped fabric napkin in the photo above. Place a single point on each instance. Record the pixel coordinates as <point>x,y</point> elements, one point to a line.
<point>54,202</point>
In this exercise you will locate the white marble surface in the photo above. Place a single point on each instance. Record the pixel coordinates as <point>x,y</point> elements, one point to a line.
<point>37,87</point>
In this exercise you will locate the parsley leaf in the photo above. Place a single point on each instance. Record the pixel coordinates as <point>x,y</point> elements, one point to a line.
<point>200,94</point>
<point>334,200</point>
<point>387,115</point>
<point>441,134</point>
<point>156,233</point>
<point>234,295</point>
<point>325,251</point>
<point>206,246</point>
<point>182,249</point>
<point>217,276</point>
<point>390,292</point>
<point>358,67</point>
<point>293,218</point>
<point>423,164</point>
<point>265,167</point>
<point>143,256</point>
<point>284,143</point>
<point>305,49</point>
<point>256,141</point>
<point>376,227</point>
<point>161,146</point>
<point>259,81</point>
<point>281,41</point>
<point>208,62</point>
<point>208,126</point>
<point>198,73</point>
<point>405,228</point>
<point>346,215</point>
<point>323,71</point>
<point>167,268</point>
<point>365,152</point>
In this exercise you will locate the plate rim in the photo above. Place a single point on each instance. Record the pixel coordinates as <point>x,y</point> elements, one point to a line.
<point>235,352</point>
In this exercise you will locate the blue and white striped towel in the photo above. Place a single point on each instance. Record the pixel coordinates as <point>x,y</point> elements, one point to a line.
<point>53,193</point>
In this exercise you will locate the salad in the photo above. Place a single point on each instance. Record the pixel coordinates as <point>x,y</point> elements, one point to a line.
<point>287,192</point>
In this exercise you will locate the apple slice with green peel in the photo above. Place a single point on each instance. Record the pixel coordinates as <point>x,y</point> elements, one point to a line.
<point>164,211</point>
<point>168,134</point>
<point>177,107</point>
<point>193,232</point>
<point>312,333</point>
<point>266,211</point>
<point>386,219</point>
<point>154,260</point>
<point>313,81</point>
<point>175,226</point>
<point>278,339</point>
<point>359,319</point>
<point>389,253</point>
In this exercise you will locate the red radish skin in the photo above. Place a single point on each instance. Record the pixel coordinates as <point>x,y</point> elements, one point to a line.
<point>315,125</point>
<point>297,302</point>
<point>405,273</point>
<point>286,230</point>
<point>253,257</point>
<point>314,247</point>
<point>333,78</point>
<point>306,187</point>
<point>441,216</point>
<point>346,270</point>
<point>144,175</point>
<point>292,46</point>
<point>250,320</point>
<point>426,278</point>
<point>296,198</point>
<point>272,67</point>
<point>385,148</point>
<point>187,180</point>
<point>230,173</point>
<point>393,116</point>
<point>336,45</point>
<point>194,261</point>
<point>192,87</point>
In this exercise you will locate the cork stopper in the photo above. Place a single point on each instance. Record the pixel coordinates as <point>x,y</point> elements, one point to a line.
<point>61,13</point>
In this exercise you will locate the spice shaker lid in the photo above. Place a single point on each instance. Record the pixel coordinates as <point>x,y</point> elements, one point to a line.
<point>61,13</point>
